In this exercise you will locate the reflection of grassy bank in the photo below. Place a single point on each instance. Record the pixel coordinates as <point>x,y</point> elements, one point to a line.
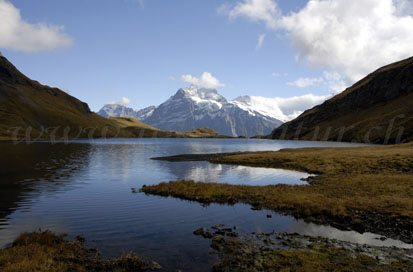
<point>44,251</point>
<point>363,188</point>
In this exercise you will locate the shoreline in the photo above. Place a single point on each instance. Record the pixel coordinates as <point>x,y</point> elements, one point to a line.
<point>11,140</point>
<point>363,189</point>
<point>292,251</point>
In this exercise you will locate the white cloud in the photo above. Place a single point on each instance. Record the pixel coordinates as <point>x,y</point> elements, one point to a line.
<point>333,80</point>
<point>284,109</point>
<point>349,37</point>
<point>352,37</point>
<point>17,34</point>
<point>292,107</point>
<point>123,101</point>
<point>306,82</point>
<point>260,41</point>
<point>256,10</point>
<point>207,80</point>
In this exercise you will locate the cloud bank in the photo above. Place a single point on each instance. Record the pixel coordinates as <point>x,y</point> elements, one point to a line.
<point>284,109</point>
<point>17,34</point>
<point>294,106</point>
<point>348,37</point>
<point>206,80</point>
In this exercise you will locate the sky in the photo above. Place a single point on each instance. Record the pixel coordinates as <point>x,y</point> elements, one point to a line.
<point>140,52</point>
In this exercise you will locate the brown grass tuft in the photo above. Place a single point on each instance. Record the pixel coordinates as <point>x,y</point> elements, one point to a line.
<point>47,252</point>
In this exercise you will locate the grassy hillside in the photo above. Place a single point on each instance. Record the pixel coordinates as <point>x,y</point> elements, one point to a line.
<point>377,109</point>
<point>140,129</point>
<point>141,132</point>
<point>125,122</point>
<point>202,133</point>
<point>26,105</point>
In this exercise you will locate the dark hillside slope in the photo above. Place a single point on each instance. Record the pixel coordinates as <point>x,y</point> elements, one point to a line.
<point>377,109</point>
<point>26,104</point>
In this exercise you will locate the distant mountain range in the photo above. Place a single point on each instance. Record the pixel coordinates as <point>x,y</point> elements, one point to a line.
<point>116,110</point>
<point>194,107</point>
<point>377,109</point>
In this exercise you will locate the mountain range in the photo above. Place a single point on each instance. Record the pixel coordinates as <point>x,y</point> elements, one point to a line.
<point>195,107</point>
<point>377,109</point>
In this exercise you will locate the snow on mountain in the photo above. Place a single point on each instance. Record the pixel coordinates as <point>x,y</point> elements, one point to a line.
<point>116,110</point>
<point>284,109</point>
<point>145,113</point>
<point>195,107</point>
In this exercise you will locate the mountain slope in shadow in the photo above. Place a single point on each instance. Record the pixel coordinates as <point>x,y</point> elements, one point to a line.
<point>377,109</point>
<point>42,111</point>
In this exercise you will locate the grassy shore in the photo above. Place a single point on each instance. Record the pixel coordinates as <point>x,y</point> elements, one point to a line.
<point>47,252</point>
<point>361,188</point>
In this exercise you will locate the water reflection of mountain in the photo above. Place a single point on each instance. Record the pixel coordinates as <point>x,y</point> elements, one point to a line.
<point>208,172</point>
<point>27,169</point>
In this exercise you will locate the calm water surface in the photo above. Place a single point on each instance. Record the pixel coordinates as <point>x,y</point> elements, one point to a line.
<point>85,188</point>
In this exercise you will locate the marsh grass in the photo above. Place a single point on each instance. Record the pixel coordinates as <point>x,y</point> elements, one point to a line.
<point>47,252</point>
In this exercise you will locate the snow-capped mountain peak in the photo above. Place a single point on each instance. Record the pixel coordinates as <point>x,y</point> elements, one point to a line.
<point>193,107</point>
<point>243,99</point>
<point>201,94</point>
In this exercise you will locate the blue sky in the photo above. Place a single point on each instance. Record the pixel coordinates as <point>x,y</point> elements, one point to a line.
<point>121,48</point>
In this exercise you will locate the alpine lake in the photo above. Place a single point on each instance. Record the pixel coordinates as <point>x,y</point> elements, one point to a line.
<point>85,187</point>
